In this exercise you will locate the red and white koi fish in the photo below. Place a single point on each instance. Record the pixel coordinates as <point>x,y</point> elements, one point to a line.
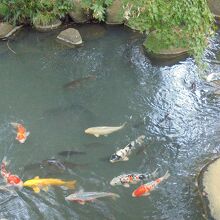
<point>132,178</point>
<point>22,133</point>
<point>145,189</point>
<point>10,179</point>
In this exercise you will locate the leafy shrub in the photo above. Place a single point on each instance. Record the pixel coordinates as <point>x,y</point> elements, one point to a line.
<point>176,23</point>
<point>29,11</point>
<point>98,7</point>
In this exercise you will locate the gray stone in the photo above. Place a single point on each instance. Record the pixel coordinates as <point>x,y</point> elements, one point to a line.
<point>113,13</point>
<point>70,36</point>
<point>214,6</point>
<point>5,28</point>
<point>78,14</point>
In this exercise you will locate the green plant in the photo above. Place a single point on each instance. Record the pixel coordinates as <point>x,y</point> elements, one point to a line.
<point>19,11</point>
<point>3,10</point>
<point>23,11</point>
<point>98,7</point>
<point>185,23</point>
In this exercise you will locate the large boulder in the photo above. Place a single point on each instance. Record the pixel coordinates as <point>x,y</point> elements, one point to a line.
<point>164,53</point>
<point>70,36</point>
<point>214,6</point>
<point>209,190</point>
<point>113,13</point>
<point>78,14</point>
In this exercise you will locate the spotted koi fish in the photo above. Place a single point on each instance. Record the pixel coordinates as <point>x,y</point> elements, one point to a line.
<point>132,178</point>
<point>123,154</point>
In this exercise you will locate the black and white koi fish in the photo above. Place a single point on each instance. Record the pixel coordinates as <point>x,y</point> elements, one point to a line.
<point>122,154</point>
<point>132,178</point>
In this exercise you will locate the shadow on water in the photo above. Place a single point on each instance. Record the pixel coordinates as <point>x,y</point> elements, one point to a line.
<point>167,103</point>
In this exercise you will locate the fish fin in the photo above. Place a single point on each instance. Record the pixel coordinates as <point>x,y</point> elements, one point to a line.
<point>125,159</point>
<point>97,135</point>
<point>36,177</point>
<point>27,133</point>
<point>36,189</point>
<point>126,185</point>
<point>81,202</point>
<point>115,196</point>
<point>45,189</point>
<point>146,194</point>
<point>70,184</point>
<point>14,124</point>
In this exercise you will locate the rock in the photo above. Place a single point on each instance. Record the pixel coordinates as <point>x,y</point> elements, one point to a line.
<point>209,190</point>
<point>213,77</point>
<point>92,31</point>
<point>70,36</point>
<point>44,28</point>
<point>214,6</point>
<point>6,30</point>
<point>113,13</point>
<point>166,53</point>
<point>78,14</point>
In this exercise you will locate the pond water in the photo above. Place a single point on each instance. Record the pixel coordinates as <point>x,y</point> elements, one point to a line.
<point>180,122</point>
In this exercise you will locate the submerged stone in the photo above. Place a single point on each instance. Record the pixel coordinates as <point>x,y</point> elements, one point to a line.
<point>208,184</point>
<point>6,30</point>
<point>44,28</point>
<point>70,36</point>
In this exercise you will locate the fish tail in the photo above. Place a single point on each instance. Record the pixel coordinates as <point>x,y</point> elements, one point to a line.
<point>5,162</point>
<point>115,196</point>
<point>166,175</point>
<point>125,123</point>
<point>70,184</point>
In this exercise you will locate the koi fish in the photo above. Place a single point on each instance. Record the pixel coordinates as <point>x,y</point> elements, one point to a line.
<point>122,154</point>
<point>145,189</point>
<point>103,130</point>
<point>22,134</point>
<point>68,153</point>
<point>37,184</point>
<point>10,179</point>
<point>83,197</point>
<point>132,178</point>
<point>78,82</point>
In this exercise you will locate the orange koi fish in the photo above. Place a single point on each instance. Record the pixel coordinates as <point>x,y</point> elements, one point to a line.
<point>145,189</point>
<point>10,179</point>
<point>22,133</point>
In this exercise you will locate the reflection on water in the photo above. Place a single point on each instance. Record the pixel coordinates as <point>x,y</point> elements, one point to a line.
<point>168,104</point>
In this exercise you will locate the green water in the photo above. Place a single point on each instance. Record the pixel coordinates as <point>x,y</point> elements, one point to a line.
<point>128,87</point>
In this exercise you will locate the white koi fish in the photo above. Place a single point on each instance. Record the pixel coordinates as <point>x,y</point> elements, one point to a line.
<point>103,130</point>
<point>122,154</point>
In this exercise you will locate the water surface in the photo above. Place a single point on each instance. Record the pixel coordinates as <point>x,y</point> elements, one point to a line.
<point>180,122</point>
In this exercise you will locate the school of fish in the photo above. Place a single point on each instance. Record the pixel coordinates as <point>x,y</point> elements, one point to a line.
<point>37,184</point>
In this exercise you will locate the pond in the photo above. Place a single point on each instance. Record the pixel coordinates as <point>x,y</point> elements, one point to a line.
<point>169,104</point>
